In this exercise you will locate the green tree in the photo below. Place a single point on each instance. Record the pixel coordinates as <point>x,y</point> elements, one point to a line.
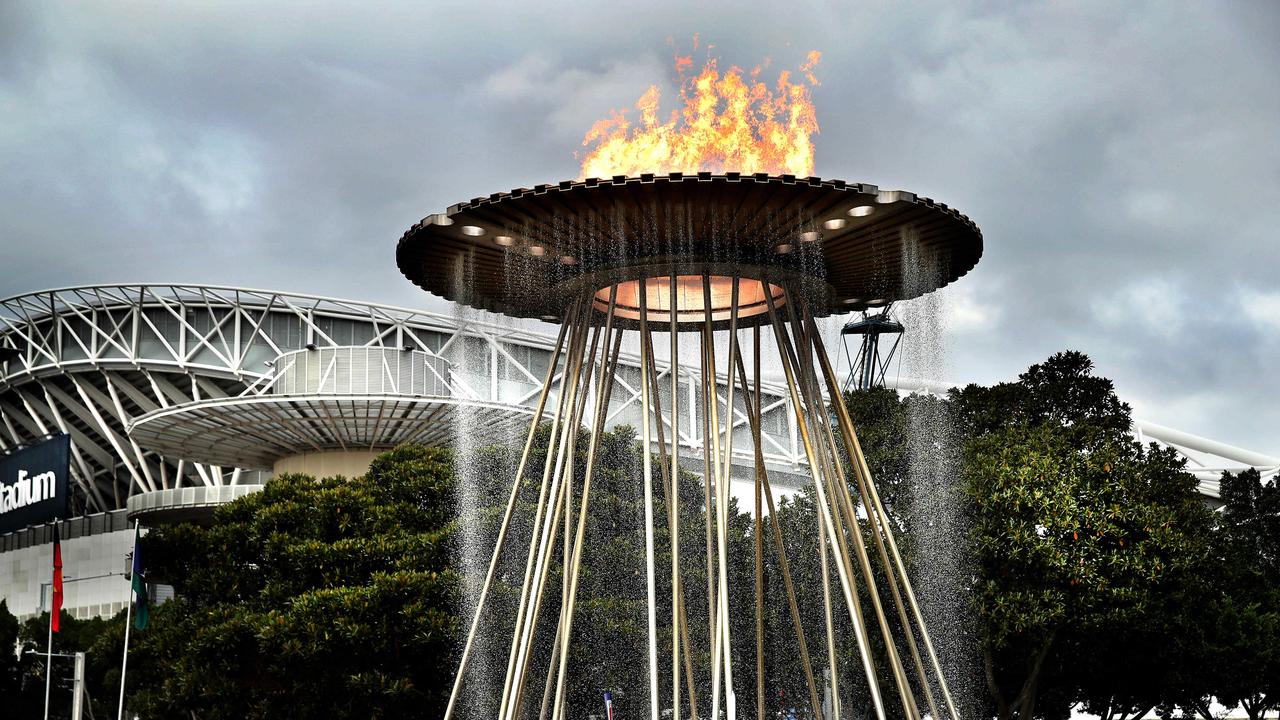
<point>1078,532</point>
<point>11,669</point>
<point>1244,662</point>
<point>329,598</point>
<point>22,673</point>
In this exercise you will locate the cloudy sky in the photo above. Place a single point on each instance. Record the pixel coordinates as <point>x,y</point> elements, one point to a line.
<point>1122,159</point>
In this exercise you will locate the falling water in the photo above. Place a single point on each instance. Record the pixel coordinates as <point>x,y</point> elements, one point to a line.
<point>935,503</point>
<point>472,548</point>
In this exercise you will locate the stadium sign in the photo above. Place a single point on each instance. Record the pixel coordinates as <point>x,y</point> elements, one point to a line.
<point>34,484</point>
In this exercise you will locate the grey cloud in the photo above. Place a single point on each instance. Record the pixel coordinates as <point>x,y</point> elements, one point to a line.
<point>1105,149</point>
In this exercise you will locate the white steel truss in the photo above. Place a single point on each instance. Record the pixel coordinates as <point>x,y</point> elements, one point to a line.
<point>90,361</point>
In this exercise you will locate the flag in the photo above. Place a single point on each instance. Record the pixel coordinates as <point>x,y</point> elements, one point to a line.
<point>140,602</point>
<point>57,579</point>
<point>608,705</point>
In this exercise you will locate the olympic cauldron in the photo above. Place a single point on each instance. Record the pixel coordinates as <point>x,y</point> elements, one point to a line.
<point>705,255</point>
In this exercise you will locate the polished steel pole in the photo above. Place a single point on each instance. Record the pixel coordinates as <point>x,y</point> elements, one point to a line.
<point>573,571</point>
<point>812,337</point>
<point>835,539</point>
<point>673,503</point>
<point>839,493</point>
<point>752,403</point>
<point>647,463</point>
<point>788,584</point>
<point>572,327</point>
<point>877,507</point>
<point>549,489</point>
<point>664,469</point>
<point>506,517</point>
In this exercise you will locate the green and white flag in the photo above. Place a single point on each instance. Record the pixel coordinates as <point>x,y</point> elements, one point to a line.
<point>140,599</point>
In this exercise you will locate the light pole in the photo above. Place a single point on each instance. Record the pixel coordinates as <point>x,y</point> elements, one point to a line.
<point>77,679</point>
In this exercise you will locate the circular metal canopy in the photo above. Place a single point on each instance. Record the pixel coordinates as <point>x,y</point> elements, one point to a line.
<point>255,431</point>
<point>846,246</point>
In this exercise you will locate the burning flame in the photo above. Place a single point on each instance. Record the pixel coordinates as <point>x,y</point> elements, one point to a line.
<point>729,123</point>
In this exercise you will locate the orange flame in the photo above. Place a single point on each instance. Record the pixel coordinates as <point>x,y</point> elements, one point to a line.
<point>729,123</point>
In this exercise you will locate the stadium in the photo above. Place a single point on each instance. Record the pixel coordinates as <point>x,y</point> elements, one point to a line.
<point>178,398</point>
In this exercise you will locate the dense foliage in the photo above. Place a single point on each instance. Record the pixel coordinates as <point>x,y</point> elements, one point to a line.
<point>1081,537</point>
<point>22,674</point>
<point>330,598</point>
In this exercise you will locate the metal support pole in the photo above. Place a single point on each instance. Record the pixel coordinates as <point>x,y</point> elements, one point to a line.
<point>601,339</point>
<point>810,335</point>
<point>713,442</point>
<point>78,689</point>
<point>560,486</point>
<point>787,583</point>
<point>128,614</point>
<point>752,402</point>
<point>603,394</point>
<point>550,486</point>
<point>511,503</point>
<point>665,465</point>
<point>647,463</point>
<point>877,507</point>
<point>835,539</point>
<point>673,504</point>
<point>839,492</point>
<point>708,399</point>
<point>831,631</point>
<point>48,664</point>
<point>722,516</point>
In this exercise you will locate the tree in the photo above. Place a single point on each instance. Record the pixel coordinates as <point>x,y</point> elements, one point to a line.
<point>1245,658</point>
<point>12,665</point>
<point>329,598</point>
<point>1078,533</point>
<point>23,665</point>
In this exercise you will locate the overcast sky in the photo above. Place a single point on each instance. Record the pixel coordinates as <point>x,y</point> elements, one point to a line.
<point>1122,159</point>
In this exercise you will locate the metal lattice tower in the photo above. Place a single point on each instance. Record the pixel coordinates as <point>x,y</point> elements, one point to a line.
<point>870,367</point>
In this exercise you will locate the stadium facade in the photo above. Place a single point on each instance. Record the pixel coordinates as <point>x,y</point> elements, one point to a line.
<point>178,398</point>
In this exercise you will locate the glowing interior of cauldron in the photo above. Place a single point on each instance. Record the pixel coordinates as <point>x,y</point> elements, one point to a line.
<point>690,298</point>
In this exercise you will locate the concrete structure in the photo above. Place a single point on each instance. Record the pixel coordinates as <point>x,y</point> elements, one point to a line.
<point>94,550</point>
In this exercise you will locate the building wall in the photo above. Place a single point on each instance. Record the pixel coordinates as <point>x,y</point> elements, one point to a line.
<point>94,556</point>
<point>348,463</point>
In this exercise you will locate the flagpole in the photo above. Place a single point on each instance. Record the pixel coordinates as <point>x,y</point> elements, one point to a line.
<point>53,614</point>
<point>48,661</point>
<point>128,616</point>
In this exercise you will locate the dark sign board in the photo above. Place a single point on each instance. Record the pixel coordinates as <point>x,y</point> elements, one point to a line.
<point>34,484</point>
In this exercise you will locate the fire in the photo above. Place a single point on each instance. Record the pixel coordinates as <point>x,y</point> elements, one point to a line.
<point>729,123</point>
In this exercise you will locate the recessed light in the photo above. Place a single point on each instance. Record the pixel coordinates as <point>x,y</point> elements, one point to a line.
<point>835,223</point>
<point>852,301</point>
<point>568,260</point>
<point>505,240</point>
<point>472,230</point>
<point>783,249</point>
<point>810,235</point>
<point>537,250</point>
<point>861,211</point>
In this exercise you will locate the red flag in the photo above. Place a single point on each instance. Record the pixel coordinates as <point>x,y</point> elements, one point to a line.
<point>57,578</point>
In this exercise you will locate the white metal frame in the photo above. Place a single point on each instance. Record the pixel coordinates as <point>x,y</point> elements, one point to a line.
<point>92,359</point>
